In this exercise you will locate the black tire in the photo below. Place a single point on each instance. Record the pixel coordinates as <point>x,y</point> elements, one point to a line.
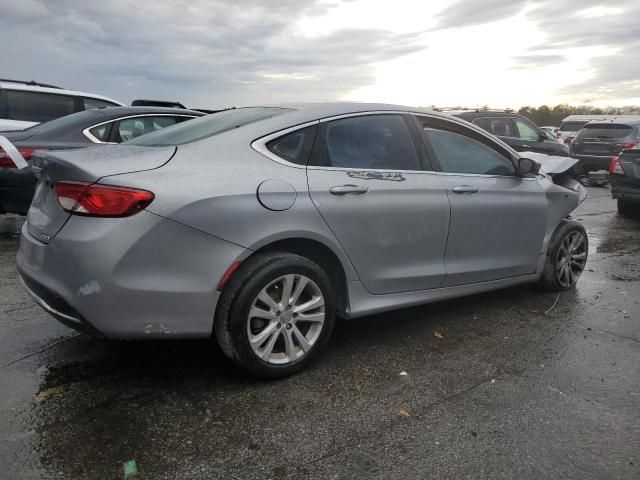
<point>626,208</point>
<point>232,314</point>
<point>551,280</point>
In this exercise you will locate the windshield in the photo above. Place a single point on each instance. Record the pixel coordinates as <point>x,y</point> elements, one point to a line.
<point>206,126</point>
<point>572,126</point>
<point>606,131</point>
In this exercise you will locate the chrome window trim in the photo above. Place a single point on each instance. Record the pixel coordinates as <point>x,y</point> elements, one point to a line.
<point>259,145</point>
<point>86,132</point>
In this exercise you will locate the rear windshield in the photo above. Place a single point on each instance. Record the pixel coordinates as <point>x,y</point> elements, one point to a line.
<point>206,126</point>
<point>64,122</point>
<point>572,126</point>
<point>606,131</point>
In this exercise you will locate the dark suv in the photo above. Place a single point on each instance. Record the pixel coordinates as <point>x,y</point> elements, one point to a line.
<point>598,142</point>
<point>517,131</point>
<point>625,181</point>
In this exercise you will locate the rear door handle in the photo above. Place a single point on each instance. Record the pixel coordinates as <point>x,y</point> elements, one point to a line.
<point>464,189</point>
<point>348,189</point>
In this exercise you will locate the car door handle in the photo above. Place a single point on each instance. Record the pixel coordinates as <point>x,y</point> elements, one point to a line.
<point>464,189</point>
<point>526,146</point>
<point>348,189</point>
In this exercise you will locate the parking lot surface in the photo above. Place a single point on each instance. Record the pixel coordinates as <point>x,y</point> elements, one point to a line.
<point>510,384</point>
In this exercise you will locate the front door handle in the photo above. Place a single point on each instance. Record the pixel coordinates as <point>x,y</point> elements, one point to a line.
<point>464,189</point>
<point>348,189</point>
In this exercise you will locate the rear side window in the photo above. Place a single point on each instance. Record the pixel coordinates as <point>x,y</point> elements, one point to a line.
<point>101,132</point>
<point>368,142</point>
<point>88,103</point>
<point>294,147</point>
<point>498,126</point>
<point>37,106</point>
<point>207,126</point>
<point>606,131</point>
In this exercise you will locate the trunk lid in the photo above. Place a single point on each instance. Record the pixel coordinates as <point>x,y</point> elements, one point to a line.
<point>46,217</point>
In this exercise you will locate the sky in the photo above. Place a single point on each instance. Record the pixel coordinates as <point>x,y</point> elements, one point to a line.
<point>221,53</point>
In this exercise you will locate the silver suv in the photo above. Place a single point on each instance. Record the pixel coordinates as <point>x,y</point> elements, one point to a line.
<point>24,104</point>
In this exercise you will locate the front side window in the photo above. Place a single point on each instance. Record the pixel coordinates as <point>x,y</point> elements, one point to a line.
<point>367,142</point>
<point>460,150</point>
<point>30,106</point>
<point>526,131</point>
<point>131,128</point>
<point>501,127</point>
<point>88,103</point>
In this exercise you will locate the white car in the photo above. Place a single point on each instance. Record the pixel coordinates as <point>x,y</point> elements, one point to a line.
<point>24,104</point>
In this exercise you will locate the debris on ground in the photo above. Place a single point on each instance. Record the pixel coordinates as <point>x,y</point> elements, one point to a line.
<point>44,394</point>
<point>438,335</point>
<point>552,306</point>
<point>130,468</point>
<point>403,374</point>
<point>403,413</point>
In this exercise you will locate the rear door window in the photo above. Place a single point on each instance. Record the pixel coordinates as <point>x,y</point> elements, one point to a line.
<point>502,127</point>
<point>30,106</point>
<point>380,142</point>
<point>606,131</point>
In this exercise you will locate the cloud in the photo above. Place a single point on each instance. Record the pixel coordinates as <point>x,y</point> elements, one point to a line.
<point>534,61</point>
<point>204,53</point>
<point>464,13</point>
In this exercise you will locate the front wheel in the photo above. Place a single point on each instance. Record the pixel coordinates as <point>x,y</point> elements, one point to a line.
<point>276,314</point>
<point>566,257</point>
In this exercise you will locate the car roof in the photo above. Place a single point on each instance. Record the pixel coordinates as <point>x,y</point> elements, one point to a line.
<point>9,85</point>
<point>597,123</point>
<point>119,111</point>
<point>486,114</point>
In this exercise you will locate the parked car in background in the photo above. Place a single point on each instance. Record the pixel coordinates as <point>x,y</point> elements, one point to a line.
<point>261,224</point>
<point>24,104</point>
<point>517,131</point>
<point>572,124</point>
<point>624,175</point>
<point>599,141</point>
<point>552,130</point>
<point>101,126</point>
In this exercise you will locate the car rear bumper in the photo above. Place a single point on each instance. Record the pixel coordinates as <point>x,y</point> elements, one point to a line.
<point>593,162</point>
<point>624,190</point>
<point>137,277</point>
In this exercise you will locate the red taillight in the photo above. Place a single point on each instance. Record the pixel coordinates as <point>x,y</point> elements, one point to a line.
<point>625,146</point>
<point>27,153</point>
<point>94,200</point>
<point>615,167</point>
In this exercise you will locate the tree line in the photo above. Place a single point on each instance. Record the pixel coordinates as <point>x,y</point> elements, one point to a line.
<point>553,116</point>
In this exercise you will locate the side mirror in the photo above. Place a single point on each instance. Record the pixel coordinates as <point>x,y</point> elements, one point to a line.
<point>527,166</point>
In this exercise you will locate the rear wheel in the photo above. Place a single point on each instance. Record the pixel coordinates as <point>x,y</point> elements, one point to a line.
<point>276,314</point>
<point>625,207</point>
<point>566,257</point>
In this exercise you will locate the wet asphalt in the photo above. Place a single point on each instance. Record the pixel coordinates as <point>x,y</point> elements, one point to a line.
<point>510,384</point>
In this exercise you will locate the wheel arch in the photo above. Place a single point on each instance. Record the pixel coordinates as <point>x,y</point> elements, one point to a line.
<point>319,253</point>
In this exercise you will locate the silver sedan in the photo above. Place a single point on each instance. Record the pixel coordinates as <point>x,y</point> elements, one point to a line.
<point>260,225</point>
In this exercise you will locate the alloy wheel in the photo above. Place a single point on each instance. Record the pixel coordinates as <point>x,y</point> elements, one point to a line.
<point>571,259</point>
<point>286,319</point>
